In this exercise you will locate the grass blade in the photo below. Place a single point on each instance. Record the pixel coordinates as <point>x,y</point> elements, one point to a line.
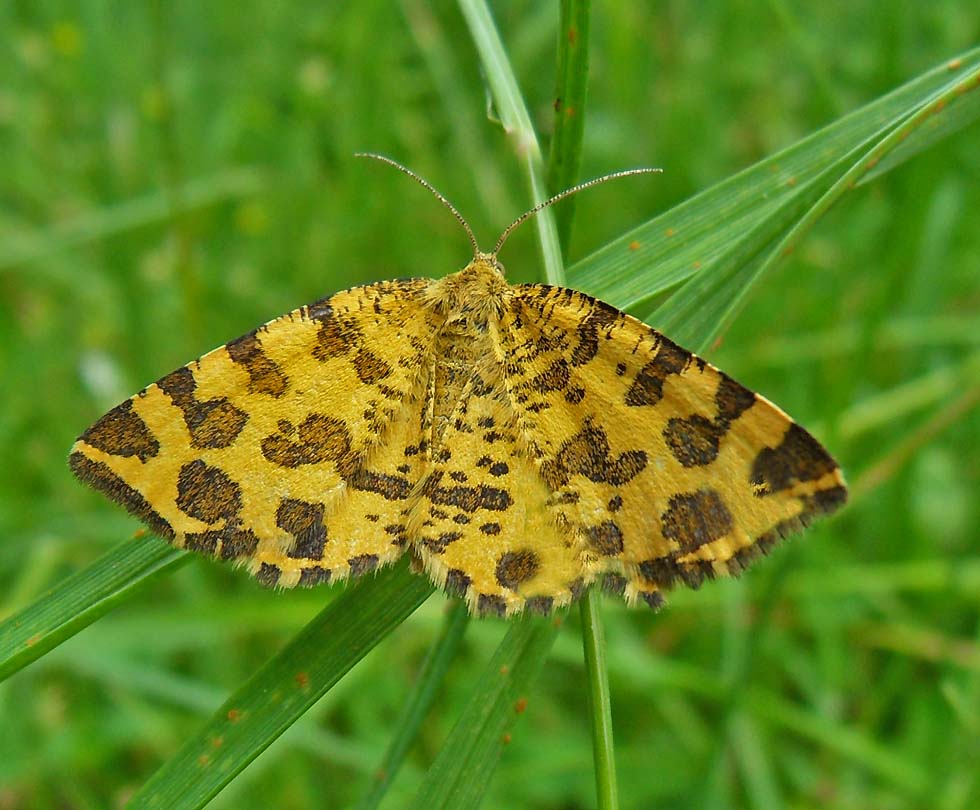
<point>462,771</point>
<point>430,679</point>
<point>687,312</point>
<point>600,706</point>
<point>564,160</point>
<point>754,209</point>
<point>565,156</point>
<point>517,123</point>
<point>289,684</point>
<point>81,599</point>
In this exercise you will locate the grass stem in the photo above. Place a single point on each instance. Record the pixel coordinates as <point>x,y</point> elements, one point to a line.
<point>594,644</point>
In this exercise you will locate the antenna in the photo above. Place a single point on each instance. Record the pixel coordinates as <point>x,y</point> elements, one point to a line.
<point>568,192</point>
<point>439,196</point>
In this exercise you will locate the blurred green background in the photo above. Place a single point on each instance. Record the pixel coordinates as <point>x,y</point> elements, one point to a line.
<point>175,173</point>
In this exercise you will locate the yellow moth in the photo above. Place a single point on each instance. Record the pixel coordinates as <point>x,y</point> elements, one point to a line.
<point>520,441</point>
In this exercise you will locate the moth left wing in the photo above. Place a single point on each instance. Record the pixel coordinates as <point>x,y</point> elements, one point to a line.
<point>288,449</point>
<point>667,469</point>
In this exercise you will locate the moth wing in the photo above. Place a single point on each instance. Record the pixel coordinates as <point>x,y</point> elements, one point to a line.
<point>667,469</point>
<point>288,449</point>
<point>482,523</point>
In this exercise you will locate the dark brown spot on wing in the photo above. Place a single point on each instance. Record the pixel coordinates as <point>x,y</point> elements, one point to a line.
<point>695,518</point>
<point>362,564</point>
<point>207,493</point>
<point>99,476</point>
<point>540,605</point>
<point>600,315</point>
<point>230,543</point>
<point>606,538</point>
<point>370,368</point>
<point>648,385</point>
<point>467,499</point>
<point>203,542</point>
<point>457,582</point>
<point>237,542</point>
<point>314,576</point>
<point>693,440</point>
<point>515,567</point>
<point>554,378</point>
<point>122,432</point>
<point>732,399</point>
<point>390,487</point>
<point>212,423</point>
<point>576,587</point>
<point>304,521</point>
<point>320,310</point>
<point>825,501</point>
<point>587,345</point>
<point>799,457</point>
<point>439,544</point>
<point>614,584</point>
<point>264,375</point>
<point>488,604</point>
<point>654,599</point>
<point>319,438</point>
<point>587,453</point>
<point>268,575</point>
<point>336,335</point>
<point>664,571</point>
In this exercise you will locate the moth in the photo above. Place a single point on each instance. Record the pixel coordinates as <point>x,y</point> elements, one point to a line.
<point>519,441</point>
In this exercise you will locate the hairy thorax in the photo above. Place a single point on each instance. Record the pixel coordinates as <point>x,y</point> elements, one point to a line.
<point>467,357</point>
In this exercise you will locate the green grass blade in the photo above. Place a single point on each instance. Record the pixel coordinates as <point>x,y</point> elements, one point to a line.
<point>565,156</point>
<point>687,314</point>
<point>461,772</point>
<point>289,684</point>
<point>754,209</point>
<point>517,124</point>
<point>564,160</point>
<point>600,705</point>
<point>82,598</point>
<point>430,679</point>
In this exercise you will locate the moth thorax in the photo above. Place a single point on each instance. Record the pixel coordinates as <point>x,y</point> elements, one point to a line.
<point>475,294</point>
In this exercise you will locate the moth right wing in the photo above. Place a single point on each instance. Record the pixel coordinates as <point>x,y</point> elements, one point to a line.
<point>669,470</point>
